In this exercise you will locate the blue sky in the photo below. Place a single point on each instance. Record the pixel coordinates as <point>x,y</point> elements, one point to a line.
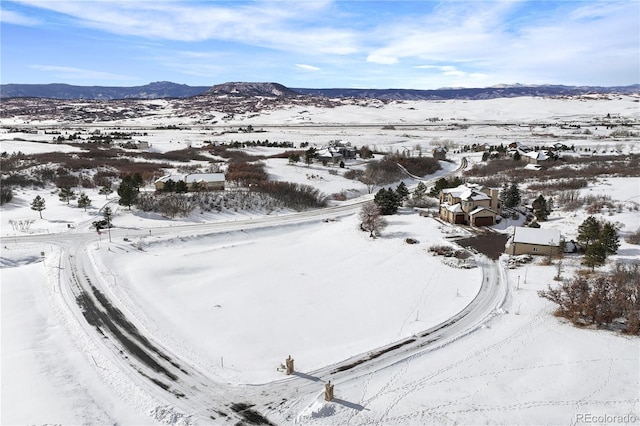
<point>416,44</point>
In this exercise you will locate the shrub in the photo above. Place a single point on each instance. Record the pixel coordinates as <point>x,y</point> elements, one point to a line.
<point>246,173</point>
<point>353,174</point>
<point>634,238</point>
<point>6,194</point>
<point>293,195</point>
<point>600,299</point>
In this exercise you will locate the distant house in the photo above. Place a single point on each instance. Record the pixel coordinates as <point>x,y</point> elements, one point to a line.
<point>336,151</point>
<point>517,146</point>
<point>536,157</point>
<point>205,181</point>
<point>329,154</point>
<point>470,204</point>
<point>535,241</point>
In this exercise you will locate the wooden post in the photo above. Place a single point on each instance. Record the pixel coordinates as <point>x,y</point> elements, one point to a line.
<point>289,364</point>
<point>328,391</point>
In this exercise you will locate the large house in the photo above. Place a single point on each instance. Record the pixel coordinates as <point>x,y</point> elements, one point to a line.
<point>470,204</point>
<point>533,241</point>
<point>204,181</point>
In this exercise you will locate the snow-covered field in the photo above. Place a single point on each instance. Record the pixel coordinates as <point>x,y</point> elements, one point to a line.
<point>232,302</point>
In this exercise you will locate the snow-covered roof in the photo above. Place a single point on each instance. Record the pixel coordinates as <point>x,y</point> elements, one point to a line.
<point>174,177</point>
<point>467,190</point>
<point>193,177</point>
<point>479,209</point>
<point>205,177</point>
<point>535,167</point>
<point>537,155</point>
<point>539,236</point>
<point>454,208</point>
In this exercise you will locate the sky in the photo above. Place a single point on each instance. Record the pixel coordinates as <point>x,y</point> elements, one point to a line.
<point>417,44</point>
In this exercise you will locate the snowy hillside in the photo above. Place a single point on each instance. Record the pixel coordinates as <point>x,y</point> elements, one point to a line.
<point>189,320</point>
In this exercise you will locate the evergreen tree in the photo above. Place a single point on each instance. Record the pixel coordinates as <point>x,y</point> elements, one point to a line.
<point>137,180</point>
<point>541,208</point>
<point>402,191</point>
<point>169,186</point>
<point>419,193</point>
<point>609,238</point>
<point>84,201</point>
<point>443,183</point>
<point>294,157</point>
<point>309,155</point>
<point>105,190</point>
<point>589,232</point>
<point>517,156</point>
<point>181,187</point>
<point>511,195</point>
<point>128,191</point>
<point>388,201</point>
<point>66,194</point>
<point>595,255</point>
<point>504,192</point>
<point>38,205</point>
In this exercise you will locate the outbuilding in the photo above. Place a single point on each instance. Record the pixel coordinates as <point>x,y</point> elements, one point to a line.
<point>535,241</point>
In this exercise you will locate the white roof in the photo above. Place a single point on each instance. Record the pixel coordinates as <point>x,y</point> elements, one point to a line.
<point>193,177</point>
<point>205,177</point>
<point>533,167</point>
<point>537,155</point>
<point>174,178</point>
<point>467,190</point>
<point>539,236</point>
<point>456,208</point>
<point>479,209</point>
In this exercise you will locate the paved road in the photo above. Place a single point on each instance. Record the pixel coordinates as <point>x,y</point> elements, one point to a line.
<point>124,344</point>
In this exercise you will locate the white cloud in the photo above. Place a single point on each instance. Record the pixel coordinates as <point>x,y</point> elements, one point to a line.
<point>382,57</point>
<point>11,17</point>
<point>264,24</point>
<point>73,73</point>
<point>490,42</point>
<point>307,67</point>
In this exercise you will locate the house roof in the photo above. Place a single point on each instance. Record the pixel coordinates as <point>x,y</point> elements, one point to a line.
<point>535,167</point>
<point>455,208</point>
<point>175,178</point>
<point>467,191</point>
<point>537,155</point>
<point>538,236</point>
<point>205,177</point>
<point>193,177</point>
<point>479,209</point>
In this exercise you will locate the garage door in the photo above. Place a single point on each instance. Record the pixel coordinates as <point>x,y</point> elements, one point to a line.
<point>483,221</point>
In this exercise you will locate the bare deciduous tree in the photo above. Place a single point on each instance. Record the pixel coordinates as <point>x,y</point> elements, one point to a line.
<point>371,219</point>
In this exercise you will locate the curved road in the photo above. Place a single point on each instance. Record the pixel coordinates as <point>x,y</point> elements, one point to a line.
<point>153,370</point>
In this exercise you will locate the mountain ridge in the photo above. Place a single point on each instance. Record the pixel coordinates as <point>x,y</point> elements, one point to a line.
<point>166,89</point>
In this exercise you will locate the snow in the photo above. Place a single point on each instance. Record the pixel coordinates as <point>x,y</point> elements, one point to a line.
<point>323,277</point>
<point>538,236</point>
<point>234,301</point>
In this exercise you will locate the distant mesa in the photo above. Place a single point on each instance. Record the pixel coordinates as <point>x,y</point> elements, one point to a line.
<point>167,90</point>
<point>251,89</point>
